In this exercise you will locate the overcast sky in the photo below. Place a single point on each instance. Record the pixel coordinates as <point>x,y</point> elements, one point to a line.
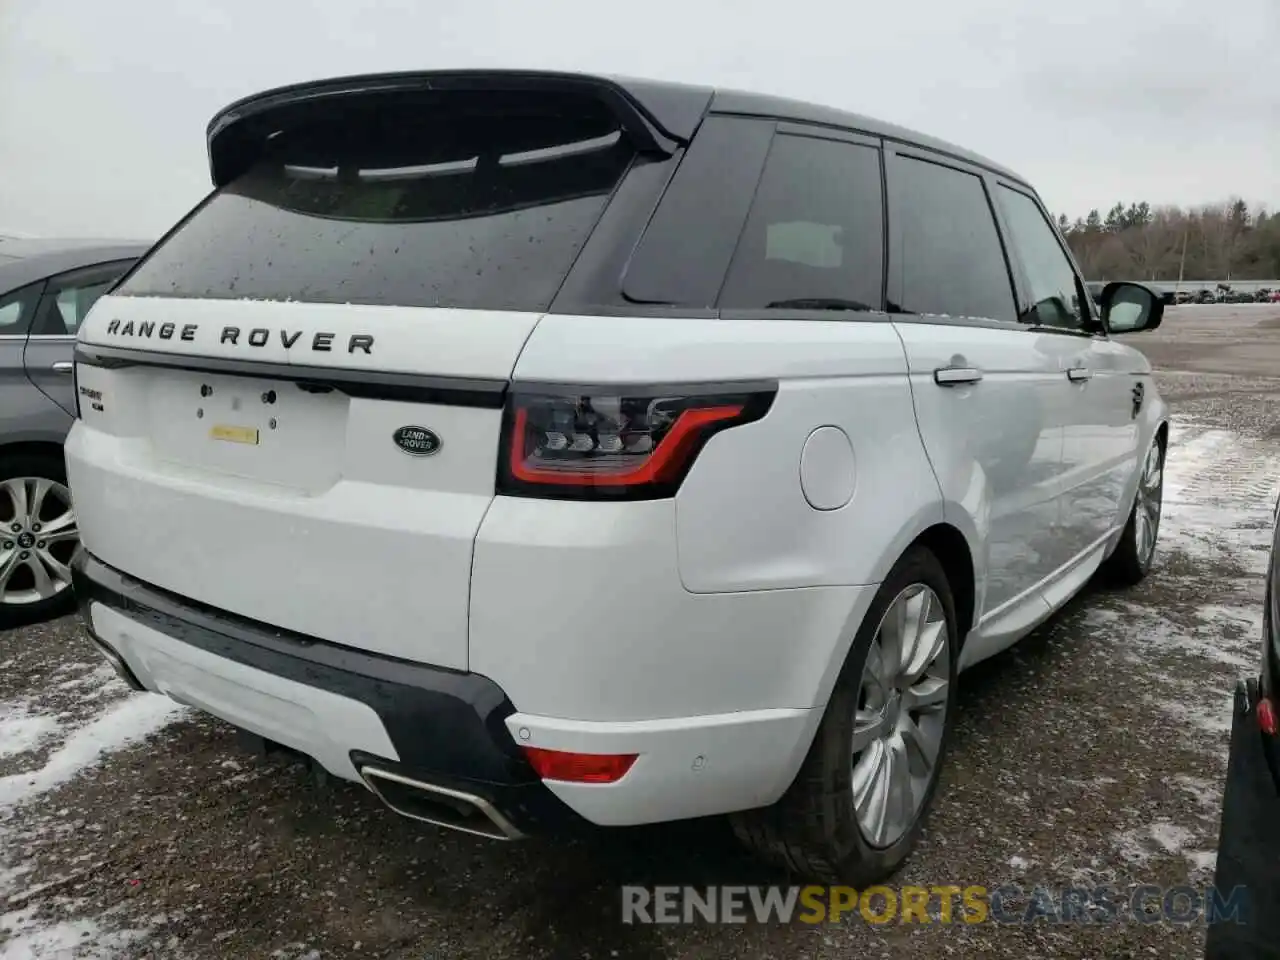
<point>103,105</point>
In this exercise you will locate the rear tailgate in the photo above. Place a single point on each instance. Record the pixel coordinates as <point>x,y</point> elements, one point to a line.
<point>372,260</point>
<point>276,490</point>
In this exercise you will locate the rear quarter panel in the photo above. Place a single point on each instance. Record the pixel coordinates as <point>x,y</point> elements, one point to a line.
<point>742,519</point>
<point>736,594</point>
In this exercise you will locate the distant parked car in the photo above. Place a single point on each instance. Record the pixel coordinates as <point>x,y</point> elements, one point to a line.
<point>46,288</point>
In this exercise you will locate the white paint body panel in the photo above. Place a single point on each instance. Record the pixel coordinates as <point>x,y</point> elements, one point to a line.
<point>687,767</point>
<point>709,625</point>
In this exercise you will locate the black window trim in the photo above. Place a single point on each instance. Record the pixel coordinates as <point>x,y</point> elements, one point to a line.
<point>53,285</point>
<point>1094,329</point>
<point>893,150</point>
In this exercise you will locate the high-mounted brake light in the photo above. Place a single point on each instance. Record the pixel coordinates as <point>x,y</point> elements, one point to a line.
<point>579,767</point>
<point>597,445</point>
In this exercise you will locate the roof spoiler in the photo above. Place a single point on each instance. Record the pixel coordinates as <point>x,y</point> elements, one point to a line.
<point>656,117</point>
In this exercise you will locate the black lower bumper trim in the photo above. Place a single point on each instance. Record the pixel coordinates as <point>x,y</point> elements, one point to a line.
<point>447,726</point>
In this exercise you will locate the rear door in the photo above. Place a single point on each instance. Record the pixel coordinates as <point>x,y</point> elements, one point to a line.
<point>985,385</point>
<point>50,348</point>
<point>299,392</point>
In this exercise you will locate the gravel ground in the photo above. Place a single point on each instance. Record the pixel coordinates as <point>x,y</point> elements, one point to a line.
<point>1092,752</point>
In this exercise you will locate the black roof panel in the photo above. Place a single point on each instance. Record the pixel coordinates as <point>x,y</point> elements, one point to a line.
<point>800,111</point>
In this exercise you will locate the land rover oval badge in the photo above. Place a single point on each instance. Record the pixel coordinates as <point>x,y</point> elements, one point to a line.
<point>417,441</point>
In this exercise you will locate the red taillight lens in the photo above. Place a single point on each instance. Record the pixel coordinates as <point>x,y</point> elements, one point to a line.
<point>579,767</point>
<point>612,446</point>
<point>1267,717</point>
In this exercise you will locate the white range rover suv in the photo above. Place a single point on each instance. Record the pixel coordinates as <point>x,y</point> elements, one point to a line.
<point>542,449</point>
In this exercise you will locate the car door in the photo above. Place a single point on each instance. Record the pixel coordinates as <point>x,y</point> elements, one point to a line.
<point>24,413</point>
<point>1099,431</point>
<point>51,344</point>
<point>986,386</point>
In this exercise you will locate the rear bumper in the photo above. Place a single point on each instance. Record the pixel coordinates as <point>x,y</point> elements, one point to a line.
<point>353,711</point>
<point>344,708</point>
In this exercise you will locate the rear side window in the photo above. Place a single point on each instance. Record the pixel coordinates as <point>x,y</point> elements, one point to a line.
<point>17,308</point>
<point>945,255</point>
<point>484,210</point>
<point>815,233</point>
<point>753,220</point>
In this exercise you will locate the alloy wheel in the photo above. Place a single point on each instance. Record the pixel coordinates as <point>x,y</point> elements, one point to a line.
<point>1147,504</point>
<point>38,537</point>
<point>901,717</point>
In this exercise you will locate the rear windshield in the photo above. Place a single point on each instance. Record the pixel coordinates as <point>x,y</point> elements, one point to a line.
<point>477,210</point>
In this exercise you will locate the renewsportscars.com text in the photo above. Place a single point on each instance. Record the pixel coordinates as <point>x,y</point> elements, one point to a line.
<point>944,904</point>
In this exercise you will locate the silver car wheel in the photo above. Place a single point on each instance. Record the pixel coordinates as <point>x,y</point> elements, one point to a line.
<point>1147,504</point>
<point>902,712</point>
<point>38,536</point>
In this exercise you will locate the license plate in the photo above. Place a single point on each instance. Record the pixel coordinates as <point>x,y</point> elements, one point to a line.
<point>234,434</point>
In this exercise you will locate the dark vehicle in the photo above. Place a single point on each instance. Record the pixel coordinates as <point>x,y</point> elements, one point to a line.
<point>46,288</point>
<point>1206,296</point>
<point>1249,834</point>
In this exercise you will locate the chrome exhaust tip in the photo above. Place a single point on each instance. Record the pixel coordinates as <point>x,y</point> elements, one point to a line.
<point>439,806</point>
<point>117,662</point>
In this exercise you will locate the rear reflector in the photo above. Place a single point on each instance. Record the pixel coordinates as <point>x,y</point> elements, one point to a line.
<point>579,767</point>
<point>1267,717</point>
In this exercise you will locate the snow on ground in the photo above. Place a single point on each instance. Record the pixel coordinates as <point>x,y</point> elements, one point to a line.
<point>1219,493</point>
<point>84,715</point>
<point>123,723</point>
<point>1174,647</point>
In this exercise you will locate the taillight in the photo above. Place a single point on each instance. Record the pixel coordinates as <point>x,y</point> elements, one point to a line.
<point>615,445</point>
<point>1267,722</point>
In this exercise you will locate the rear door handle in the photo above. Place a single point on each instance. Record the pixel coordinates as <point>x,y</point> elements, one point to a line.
<point>956,376</point>
<point>1079,374</point>
<point>63,366</point>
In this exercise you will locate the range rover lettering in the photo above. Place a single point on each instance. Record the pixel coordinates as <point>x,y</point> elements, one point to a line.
<point>762,422</point>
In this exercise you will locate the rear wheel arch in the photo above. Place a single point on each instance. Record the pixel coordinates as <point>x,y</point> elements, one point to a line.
<point>951,548</point>
<point>31,448</point>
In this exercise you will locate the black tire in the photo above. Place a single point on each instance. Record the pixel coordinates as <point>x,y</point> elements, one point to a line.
<point>48,466</point>
<point>813,829</point>
<point>1127,566</point>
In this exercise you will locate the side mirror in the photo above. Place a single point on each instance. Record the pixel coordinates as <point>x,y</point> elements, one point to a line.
<point>1129,307</point>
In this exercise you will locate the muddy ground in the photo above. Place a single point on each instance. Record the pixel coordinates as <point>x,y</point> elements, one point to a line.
<point>1091,753</point>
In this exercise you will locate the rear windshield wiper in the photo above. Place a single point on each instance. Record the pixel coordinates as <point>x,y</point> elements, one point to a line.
<point>820,303</point>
